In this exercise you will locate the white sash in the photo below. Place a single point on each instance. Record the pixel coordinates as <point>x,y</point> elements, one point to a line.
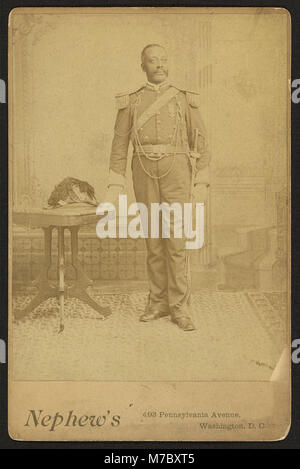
<point>155,107</point>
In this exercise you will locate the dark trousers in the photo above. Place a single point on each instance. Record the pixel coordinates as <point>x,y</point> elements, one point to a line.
<point>167,259</point>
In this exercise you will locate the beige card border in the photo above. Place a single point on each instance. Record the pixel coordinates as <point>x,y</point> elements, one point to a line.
<point>272,410</point>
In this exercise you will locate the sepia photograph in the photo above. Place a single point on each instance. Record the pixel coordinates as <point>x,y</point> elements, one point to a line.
<point>149,154</point>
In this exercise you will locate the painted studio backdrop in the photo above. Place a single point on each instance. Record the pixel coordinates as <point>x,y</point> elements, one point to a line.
<point>66,70</point>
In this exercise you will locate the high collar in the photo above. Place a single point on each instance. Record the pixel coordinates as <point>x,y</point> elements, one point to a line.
<point>157,87</point>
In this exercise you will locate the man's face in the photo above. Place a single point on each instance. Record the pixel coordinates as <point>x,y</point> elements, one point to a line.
<point>155,64</point>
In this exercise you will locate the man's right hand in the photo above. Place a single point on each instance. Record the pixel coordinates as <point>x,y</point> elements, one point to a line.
<point>112,193</point>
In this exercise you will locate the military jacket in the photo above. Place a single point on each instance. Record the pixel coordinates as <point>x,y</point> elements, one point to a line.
<point>174,124</point>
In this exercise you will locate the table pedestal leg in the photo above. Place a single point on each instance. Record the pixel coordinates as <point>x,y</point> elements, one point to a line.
<point>78,289</point>
<point>61,276</point>
<point>45,290</point>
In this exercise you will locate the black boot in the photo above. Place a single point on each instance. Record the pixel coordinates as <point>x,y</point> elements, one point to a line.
<point>183,321</point>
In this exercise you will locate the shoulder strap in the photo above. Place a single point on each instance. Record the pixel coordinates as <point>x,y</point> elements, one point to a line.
<point>123,99</point>
<point>193,97</point>
<point>156,106</point>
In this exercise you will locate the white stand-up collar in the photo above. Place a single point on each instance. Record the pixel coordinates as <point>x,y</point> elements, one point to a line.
<point>158,86</point>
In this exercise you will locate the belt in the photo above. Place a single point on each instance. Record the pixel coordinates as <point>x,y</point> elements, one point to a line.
<point>159,150</point>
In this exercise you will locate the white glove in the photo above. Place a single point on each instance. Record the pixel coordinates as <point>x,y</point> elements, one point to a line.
<point>200,192</point>
<point>110,202</point>
<point>115,187</point>
<point>112,194</point>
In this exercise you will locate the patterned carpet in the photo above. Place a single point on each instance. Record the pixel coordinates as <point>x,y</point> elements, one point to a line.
<point>239,336</point>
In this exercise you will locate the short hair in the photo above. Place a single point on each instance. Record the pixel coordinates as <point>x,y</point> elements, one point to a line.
<point>148,47</point>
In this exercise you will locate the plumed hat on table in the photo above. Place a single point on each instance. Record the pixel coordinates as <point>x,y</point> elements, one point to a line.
<point>71,191</point>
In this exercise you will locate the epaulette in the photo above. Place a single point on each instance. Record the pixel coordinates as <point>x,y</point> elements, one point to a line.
<point>123,99</point>
<point>193,97</point>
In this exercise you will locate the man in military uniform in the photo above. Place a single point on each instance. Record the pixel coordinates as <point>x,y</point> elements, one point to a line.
<point>164,126</point>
